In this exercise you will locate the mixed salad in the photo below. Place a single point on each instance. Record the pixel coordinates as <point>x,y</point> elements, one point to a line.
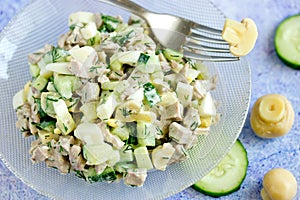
<point>107,103</point>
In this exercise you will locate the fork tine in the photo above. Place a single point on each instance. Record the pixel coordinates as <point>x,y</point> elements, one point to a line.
<point>206,29</point>
<point>194,46</point>
<point>202,38</point>
<point>202,57</point>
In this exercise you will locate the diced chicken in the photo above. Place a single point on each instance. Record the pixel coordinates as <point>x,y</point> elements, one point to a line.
<point>179,154</point>
<point>161,156</point>
<point>191,118</point>
<point>100,168</point>
<point>33,119</point>
<point>128,92</point>
<point>199,90</point>
<point>137,96</point>
<point>35,113</point>
<point>202,131</point>
<point>75,157</point>
<point>139,36</point>
<point>58,161</point>
<point>216,118</point>
<point>162,123</point>
<point>162,58</point>
<point>109,47</point>
<point>90,92</point>
<point>135,177</point>
<point>201,87</point>
<point>137,78</point>
<point>135,20</point>
<point>174,79</point>
<point>179,133</point>
<point>83,59</point>
<point>117,75</point>
<point>40,154</point>
<point>192,142</point>
<point>110,138</point>
<point>98,19</point>
<point>62,41</point>
<point>184,93</point>
<point>34,145</point>
<point>90,61</point>
<point>23,115</point>
<point>80,70</point>
<point>75,36</point>
<point>35,57</point>
<point>103,79</point>
<point>176,67</point>
<point>161,85</point>
<point>165,66</point>
<point>65,142</point>
<point>76,68</point>
<point>102,57</point>
<point>174,112</point>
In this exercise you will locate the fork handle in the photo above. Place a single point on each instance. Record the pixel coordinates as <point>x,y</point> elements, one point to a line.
<point>127,5</point>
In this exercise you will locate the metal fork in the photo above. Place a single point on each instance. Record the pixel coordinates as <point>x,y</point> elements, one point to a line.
<point>196,41</point>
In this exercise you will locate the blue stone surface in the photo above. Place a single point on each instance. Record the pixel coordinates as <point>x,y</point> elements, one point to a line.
<point>269,75</point>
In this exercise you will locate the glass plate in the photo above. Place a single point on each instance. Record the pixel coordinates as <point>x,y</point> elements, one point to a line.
<point>42,22</point>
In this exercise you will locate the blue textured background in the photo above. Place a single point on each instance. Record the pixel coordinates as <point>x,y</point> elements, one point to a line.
<point>269,75</point>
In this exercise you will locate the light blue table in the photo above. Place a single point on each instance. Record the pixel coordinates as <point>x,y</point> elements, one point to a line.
<point>269,75</point>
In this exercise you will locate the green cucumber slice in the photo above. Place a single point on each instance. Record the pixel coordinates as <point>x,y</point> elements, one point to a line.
<point>287,41</point>
<point>228,176</point>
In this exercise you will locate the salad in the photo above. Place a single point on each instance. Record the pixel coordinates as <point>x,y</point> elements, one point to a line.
<point>107,103</point>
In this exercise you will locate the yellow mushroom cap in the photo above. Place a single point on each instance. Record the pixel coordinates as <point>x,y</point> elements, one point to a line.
<point>272,116</point>
<point>279,184</point>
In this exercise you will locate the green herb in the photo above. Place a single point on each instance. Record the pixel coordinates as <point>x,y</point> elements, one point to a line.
<point>184,151</point>
<point>135,21</point>
<point>126,112</point>
<point>158,51</point>
<point>169,82</point>
<point>61,149</point>
<point>25,129</point>
<point>143,59</point>
<point>80,174</point>
<point>135,77</point>
<point>186,97</point>
<point>109,24</point>
<point>147,44</point>
<point>146,133</point>
<point>122,39</point>
<point>159,131</point>
<point>94,68</point>
<point>190,62</point>
<point>50,98</point>
<point>118,74</point>
<point>74,102</point>
<point>92,41</point>
<point>58,54</point>
<point>72,27</point>
<point>65,127</point>
<point>194,125</point>
<point>127,148</point>
<point>49,145</point>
